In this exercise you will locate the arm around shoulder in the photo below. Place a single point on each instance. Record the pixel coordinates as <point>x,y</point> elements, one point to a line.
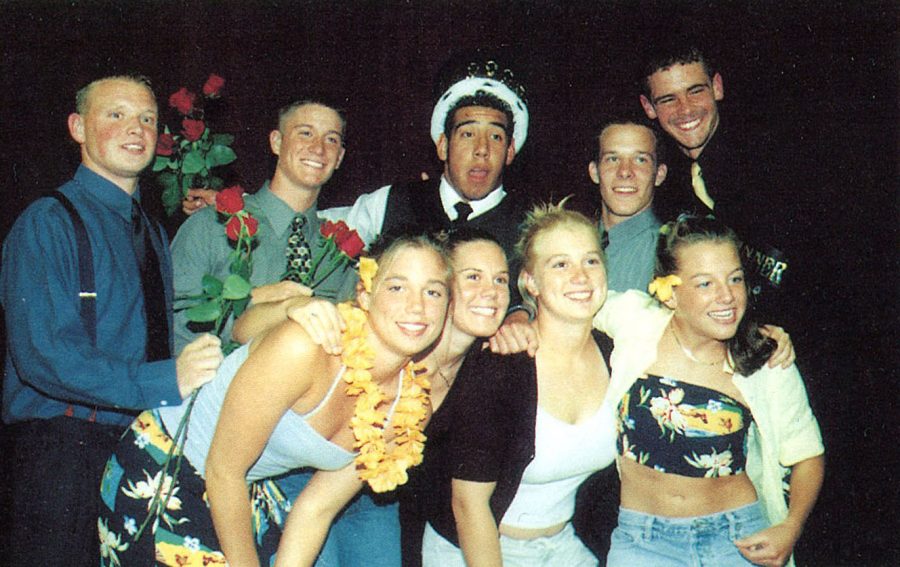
<point>366,216</point>
<point>631,314</point>
<point>794,424</point>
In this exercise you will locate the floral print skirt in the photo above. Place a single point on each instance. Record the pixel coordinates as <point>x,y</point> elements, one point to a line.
<point>181,533</point>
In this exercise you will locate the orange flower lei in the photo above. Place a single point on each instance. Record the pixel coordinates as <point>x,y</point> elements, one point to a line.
<point>382,470</point>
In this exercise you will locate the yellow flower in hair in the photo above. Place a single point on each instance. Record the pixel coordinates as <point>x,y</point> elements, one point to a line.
<point>661,287</point>
<point>367,269</point>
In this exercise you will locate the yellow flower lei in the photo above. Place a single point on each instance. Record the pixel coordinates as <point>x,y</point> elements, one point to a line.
<point>382,470</point>
<point>662,286</point>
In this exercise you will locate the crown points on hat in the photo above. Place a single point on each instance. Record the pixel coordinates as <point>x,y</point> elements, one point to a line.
<point>492,70</point>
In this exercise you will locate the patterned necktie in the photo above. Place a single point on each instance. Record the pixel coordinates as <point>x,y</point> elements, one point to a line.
<point>700,186</point>
<point>298,257</point>
<point>155,308</point>
<point>463,210</point>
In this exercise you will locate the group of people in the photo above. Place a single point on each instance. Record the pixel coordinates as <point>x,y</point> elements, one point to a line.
<point>441,404</point>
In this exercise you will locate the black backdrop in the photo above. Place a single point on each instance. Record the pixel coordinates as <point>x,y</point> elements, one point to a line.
<point>824,77</point>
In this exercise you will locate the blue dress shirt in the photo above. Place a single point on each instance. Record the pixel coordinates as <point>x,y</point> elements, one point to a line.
<point>51,362</point>
<point>631,254</point>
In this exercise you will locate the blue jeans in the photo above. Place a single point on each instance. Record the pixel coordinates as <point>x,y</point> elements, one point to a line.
<point>365,533</point>
<point>700,541</point>
<point>563,549</point>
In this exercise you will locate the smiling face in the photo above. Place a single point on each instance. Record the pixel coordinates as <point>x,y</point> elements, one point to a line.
<point>476,152</point>
<point>309,146</point>
<point>626,171</point>
<point>684,99</point>
<point>480,288</point>
<point>712,298</point>
<point>567,275</point>
<point>408,302</point>
<point>117,130</point>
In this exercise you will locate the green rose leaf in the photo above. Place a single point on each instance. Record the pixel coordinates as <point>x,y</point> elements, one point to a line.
<point>172,193</point>
<point>161,162</point>
<point>240,306</point>
<point>219,155</point>
<point>188,182</point>
<point>204,313</point>
<point>222,139</point>
<point>193,162</point>
<point>168,180</point>
<point>235,287</point>
<point>212,286</point>
<point>215,182</point>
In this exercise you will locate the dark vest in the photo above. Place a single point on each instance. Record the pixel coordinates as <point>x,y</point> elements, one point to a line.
<point>417,206</point>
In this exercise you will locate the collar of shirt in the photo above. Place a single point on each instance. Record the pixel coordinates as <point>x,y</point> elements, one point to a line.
<point>105,192</point>
<point>280,214</point>
<point>450,197</point>
<point>630,228</point>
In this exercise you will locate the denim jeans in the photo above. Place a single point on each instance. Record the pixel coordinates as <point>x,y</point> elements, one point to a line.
<point>700,541</point>
<point>366,532</point>
<point>564,549</point>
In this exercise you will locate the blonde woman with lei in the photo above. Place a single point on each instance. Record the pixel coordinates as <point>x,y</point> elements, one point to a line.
<point>279,403</point>
<point>518,435</point>
<point>706,432</point>
<point>479,301</point>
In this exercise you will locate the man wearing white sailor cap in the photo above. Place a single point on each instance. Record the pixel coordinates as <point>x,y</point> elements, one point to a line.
<point>479,123</point>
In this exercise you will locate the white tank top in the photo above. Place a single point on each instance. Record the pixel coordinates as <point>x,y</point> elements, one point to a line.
<point>565,455</point>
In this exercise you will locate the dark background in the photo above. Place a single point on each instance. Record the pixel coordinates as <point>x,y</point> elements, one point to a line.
<point>821,79</point>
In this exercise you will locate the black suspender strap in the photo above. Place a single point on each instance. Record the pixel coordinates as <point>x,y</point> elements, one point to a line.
<point>88,293</point>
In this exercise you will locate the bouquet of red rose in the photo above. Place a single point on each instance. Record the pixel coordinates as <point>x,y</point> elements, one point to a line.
<point>220,299</point>
<point>339,246</point>
<point>187,158</point>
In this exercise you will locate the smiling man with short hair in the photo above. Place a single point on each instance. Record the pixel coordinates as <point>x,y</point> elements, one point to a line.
<point>721,165</point>
<point>628,171</point>
<point>309,143</point>
<point>89,329</point>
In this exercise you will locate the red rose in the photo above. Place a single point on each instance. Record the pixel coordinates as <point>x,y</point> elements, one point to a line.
<point>213,85</point>
<point>349,242</point>
<point>230,200</point>
<point>183,100</point>
<point>233,226</point>
<point>165,144</point>
<point>192,129</point>
<point>327,228</point>
<point>252,225</point>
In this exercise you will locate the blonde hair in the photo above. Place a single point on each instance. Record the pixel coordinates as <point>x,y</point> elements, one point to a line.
<point>542,218</point>
<point>83,96</point>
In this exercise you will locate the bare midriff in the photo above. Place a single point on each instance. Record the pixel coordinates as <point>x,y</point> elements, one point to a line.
<point>653,492</point>
<point>531,533</point>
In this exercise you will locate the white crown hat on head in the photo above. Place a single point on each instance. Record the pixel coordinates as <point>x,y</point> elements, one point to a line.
<point>487,78</point>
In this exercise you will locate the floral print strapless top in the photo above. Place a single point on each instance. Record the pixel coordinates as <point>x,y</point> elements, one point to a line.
<point>681,428</point>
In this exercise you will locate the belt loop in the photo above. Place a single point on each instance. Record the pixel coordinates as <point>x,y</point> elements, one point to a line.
<point>70,412</point>
<point>649,520</point>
